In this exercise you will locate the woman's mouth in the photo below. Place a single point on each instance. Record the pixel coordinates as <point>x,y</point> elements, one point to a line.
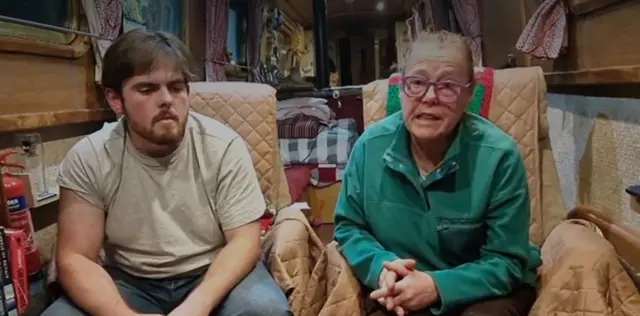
<point>428,117</point>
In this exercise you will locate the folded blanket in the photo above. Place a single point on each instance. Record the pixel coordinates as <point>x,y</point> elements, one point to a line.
<point>479,103</point>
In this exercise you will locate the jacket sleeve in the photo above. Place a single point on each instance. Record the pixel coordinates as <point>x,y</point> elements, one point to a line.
<point>363,252</point>
<point>506,253</point>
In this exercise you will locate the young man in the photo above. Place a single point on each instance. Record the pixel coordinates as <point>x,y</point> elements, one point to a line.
<point>433,215</point>
<point>171,195</point>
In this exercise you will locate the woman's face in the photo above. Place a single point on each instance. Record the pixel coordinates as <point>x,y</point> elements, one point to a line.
<point>436,87</point>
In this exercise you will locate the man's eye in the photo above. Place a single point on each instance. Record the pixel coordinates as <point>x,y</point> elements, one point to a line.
<point>145,90</point>
<point>177,87</point>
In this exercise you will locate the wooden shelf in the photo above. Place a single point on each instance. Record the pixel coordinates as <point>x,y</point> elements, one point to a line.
<point>596,76</point>
<point>15,122</point>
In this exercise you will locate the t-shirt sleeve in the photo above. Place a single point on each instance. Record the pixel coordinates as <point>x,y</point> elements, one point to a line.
<point>78,173</point>
<point>239,199</point>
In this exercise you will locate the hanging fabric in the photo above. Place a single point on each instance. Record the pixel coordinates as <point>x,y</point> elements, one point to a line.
<point>545,35</point>
<point>467,13</point>
<point>105,19</point>
<point>217,25</point>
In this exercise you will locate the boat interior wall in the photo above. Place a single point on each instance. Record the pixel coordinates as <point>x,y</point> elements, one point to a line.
<point>344,10</point>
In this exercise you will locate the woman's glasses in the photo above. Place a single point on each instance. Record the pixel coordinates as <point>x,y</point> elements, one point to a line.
<point>446,91</point>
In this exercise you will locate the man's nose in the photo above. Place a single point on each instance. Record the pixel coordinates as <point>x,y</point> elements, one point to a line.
<point>165,97</point>
<point>430,96</point>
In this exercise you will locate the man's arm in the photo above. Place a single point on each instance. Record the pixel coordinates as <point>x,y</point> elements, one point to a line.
<point>363,252</point>
<point>80,238</point>
<point>238,257</point>
<point>239,204</point>
<point>505,256</point>
<point>81,221</point>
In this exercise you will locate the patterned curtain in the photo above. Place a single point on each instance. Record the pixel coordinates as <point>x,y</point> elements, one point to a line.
<point>217,24</point>
<point>105,19</point>
<point>467,13</point>
<point>255,27</point>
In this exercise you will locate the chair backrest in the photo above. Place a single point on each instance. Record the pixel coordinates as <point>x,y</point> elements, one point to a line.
<point>518,105</point>
<point>250,109</point>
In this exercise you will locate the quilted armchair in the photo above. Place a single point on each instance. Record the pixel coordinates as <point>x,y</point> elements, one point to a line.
<point>581,273</point>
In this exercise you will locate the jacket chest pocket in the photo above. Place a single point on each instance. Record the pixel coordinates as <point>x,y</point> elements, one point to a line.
<point>460,240</point>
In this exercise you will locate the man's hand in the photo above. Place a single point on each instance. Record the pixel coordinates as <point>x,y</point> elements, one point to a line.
<point>387,282</point>
<point>415,291</point>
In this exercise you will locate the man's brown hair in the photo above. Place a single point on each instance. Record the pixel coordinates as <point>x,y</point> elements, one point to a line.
<point>441,39</point>
<point>138,51</point>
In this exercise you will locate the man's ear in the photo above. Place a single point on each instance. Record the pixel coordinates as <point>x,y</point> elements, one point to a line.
<point>115,101</point>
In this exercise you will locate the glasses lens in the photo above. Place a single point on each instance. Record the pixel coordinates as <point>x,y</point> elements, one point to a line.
<point>447,92</point>
<point>415,87</point>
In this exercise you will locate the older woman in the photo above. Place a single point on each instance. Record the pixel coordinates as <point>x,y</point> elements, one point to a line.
<point>433,215</point>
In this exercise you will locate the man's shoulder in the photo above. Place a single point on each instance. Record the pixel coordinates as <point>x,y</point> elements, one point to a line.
<point>485,133</point>
<point>211,130</point>
<point>96,143</point>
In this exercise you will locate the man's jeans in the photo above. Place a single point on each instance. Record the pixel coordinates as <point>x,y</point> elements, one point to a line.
<point>256,295</point>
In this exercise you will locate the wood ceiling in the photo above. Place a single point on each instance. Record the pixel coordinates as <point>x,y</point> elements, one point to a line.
<point>339,11</point>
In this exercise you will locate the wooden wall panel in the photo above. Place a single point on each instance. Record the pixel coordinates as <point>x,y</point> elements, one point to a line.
<point>31,83</point>
<point>605,38</point>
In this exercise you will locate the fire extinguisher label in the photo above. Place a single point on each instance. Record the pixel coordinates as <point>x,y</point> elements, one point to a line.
<point>17,203</point>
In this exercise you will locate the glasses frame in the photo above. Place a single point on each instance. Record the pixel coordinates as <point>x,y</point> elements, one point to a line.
<point>434,84</point>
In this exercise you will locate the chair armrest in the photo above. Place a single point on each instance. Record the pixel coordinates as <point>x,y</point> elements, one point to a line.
<point>291,250</point>
<point>625,239</point>
<point>578,262</point>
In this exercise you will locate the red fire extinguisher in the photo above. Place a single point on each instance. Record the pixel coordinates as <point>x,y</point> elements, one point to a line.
<point>15,191</point>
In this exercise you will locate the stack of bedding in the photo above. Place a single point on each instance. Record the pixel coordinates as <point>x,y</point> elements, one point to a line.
<point>314,146</point>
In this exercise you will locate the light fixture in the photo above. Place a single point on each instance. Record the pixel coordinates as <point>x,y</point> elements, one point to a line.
<point>380,6</point>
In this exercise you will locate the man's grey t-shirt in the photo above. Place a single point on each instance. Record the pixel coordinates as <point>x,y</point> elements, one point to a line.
<point>165,217</point>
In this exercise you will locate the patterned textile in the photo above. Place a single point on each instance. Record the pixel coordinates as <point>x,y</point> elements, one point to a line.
<point>217,24</point>
<point>300,126</point>
<point>468,15</point>
<point>105,19</point>
<point>159,15</point>
<point>479,103</point>
<point>544,36</point>
<point>332,145</point>
<point>133,14</point>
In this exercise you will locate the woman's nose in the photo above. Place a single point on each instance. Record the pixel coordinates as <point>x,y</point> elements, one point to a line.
<point>430,96</point>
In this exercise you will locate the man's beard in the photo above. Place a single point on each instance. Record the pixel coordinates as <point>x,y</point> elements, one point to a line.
<point>161,132</point>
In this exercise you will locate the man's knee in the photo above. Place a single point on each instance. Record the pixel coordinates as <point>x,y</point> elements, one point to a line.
<point>260,307</point>
<point>256,295</point>
<point>63,307</point>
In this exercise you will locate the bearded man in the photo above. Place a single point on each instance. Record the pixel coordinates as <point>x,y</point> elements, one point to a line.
<point>433,213</point>
<point>172,197</point>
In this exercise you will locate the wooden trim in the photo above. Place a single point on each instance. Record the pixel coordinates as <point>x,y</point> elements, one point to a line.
<point>625,239</point>
<point>23,121</point>
<point>597,76</point>
<point>581,7</point>
<point>74,50</point>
